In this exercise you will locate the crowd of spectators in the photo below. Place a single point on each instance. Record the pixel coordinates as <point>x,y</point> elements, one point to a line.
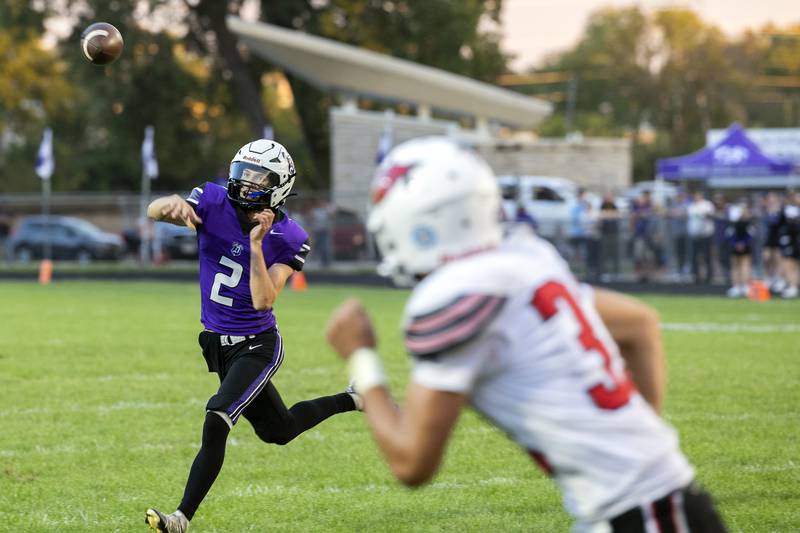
<point>691,237</point>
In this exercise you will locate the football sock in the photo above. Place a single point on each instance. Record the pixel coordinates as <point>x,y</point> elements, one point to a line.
<point>307,414</point>
<point>206,465</point>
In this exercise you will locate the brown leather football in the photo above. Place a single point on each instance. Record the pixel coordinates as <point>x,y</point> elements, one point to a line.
<point>101,43</point>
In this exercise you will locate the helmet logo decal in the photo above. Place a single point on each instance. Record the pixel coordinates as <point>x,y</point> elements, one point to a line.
<point>253,159</point>
<point>386,181</point>
<point>424,236</point>
<point>236,249</point>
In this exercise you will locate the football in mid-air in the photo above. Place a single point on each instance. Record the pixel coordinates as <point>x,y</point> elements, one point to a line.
<point>101,43</point>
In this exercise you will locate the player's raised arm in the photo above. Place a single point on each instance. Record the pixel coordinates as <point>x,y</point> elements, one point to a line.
<point>412,439</point>
<point>175,210</point>
<point>634,327</point>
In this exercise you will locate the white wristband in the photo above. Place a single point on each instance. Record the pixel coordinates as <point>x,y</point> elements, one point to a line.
<point>366,370</point>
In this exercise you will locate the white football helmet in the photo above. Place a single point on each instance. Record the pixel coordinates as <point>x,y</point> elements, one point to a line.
<point>432,201</point>
<point>261,175</point>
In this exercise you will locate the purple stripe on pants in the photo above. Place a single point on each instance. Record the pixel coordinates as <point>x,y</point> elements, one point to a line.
<point>259,383</point>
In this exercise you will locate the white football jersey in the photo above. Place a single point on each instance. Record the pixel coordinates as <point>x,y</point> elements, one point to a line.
<point>513,330</point>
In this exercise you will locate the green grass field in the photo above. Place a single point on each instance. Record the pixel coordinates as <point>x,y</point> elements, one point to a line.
<point>103,387</point>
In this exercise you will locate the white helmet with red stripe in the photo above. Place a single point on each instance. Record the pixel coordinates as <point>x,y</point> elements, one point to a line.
<point>433,201</point>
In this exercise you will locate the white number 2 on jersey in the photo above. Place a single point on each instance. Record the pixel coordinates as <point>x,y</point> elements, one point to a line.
<point>229,281</point>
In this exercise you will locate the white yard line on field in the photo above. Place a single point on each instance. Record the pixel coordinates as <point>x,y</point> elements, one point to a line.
<point>713,327</point>
<point>733,417</point>
<point>760,468</point>
<point>267,490</point>
<point>98,408</point>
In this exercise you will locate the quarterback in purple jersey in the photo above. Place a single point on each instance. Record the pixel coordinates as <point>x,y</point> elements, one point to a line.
<point>248,249</point>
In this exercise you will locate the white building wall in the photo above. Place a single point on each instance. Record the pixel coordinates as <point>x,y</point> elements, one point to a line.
<point>597,164</point>
<point>354,146</point>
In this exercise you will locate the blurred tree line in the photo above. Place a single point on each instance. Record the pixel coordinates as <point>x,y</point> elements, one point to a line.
<point>665,77</point>
<point>183,72</point>
<point>661,77</point>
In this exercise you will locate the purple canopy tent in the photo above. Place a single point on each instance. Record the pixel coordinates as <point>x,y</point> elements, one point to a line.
<point>735,161</point>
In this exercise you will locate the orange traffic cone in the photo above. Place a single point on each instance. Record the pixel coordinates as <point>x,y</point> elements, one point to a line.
<point>45,272</point>
<point>758,291</point>
<point>298,282</point>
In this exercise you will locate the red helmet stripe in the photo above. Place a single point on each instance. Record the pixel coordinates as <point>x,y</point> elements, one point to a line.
<point>387,180</point>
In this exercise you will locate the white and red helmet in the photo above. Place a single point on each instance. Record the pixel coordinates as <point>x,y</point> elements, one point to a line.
<point>261,176</point>
<point>432,201</point>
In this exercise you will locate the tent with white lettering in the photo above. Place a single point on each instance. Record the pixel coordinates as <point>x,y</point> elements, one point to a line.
<point>733,162</point>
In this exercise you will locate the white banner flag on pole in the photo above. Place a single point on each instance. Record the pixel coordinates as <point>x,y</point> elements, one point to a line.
<point>149,161</point>
<point>386,141</point>
<point>44,158</point>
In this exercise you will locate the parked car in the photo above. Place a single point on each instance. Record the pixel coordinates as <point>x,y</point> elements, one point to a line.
<point>70,238</point>
<point>349,235</point>
<point>176,242</point>
<point>547,199</point>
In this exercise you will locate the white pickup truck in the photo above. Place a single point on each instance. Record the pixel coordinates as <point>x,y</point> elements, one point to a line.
<point>547,199</point>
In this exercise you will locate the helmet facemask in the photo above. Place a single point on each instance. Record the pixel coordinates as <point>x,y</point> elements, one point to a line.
<point>251,186</point>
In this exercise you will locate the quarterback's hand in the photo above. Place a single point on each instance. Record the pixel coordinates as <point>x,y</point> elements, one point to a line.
<point>179,210</point>
<point>350,328</point>
<point>264,219</point>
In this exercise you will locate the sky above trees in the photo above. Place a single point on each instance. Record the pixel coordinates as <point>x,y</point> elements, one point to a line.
<point>535,28</point>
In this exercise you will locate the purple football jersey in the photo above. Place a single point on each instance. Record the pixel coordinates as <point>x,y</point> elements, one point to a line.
<point>226,306</point>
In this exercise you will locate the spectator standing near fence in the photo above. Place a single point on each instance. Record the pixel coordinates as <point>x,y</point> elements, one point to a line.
<point>321,220</point>
<point>578,239</point>
<point>700,228</point>
<point>523,218</point>
<point>609,217</point>
<point>771,219</point>
<point>721,250</point>
<point>678,233</point>
<point>790,245</point>
<point>646,254</point>
<point>740,235</point>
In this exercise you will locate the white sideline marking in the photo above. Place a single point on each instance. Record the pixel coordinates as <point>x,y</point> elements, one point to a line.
<point>704,327</point>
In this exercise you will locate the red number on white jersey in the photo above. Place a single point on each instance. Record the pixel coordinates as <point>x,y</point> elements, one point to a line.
<point>604,397</point>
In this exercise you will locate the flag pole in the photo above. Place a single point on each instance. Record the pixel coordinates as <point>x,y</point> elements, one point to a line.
<point>44,169</point>
<point>149,172</point>
<point>144,246</point>
<point>46,266</point>
<point>47,254</point>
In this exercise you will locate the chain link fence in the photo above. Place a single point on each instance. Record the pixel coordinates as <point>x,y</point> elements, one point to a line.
<point>606,248</point>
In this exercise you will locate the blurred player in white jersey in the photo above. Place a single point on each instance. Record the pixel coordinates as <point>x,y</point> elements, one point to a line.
<point>574,375</point>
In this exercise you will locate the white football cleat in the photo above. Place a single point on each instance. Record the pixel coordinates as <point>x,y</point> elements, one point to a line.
<point>778,285</point>
<point>357,399</point>
<point>789,292</point>
<point>734,292</point>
